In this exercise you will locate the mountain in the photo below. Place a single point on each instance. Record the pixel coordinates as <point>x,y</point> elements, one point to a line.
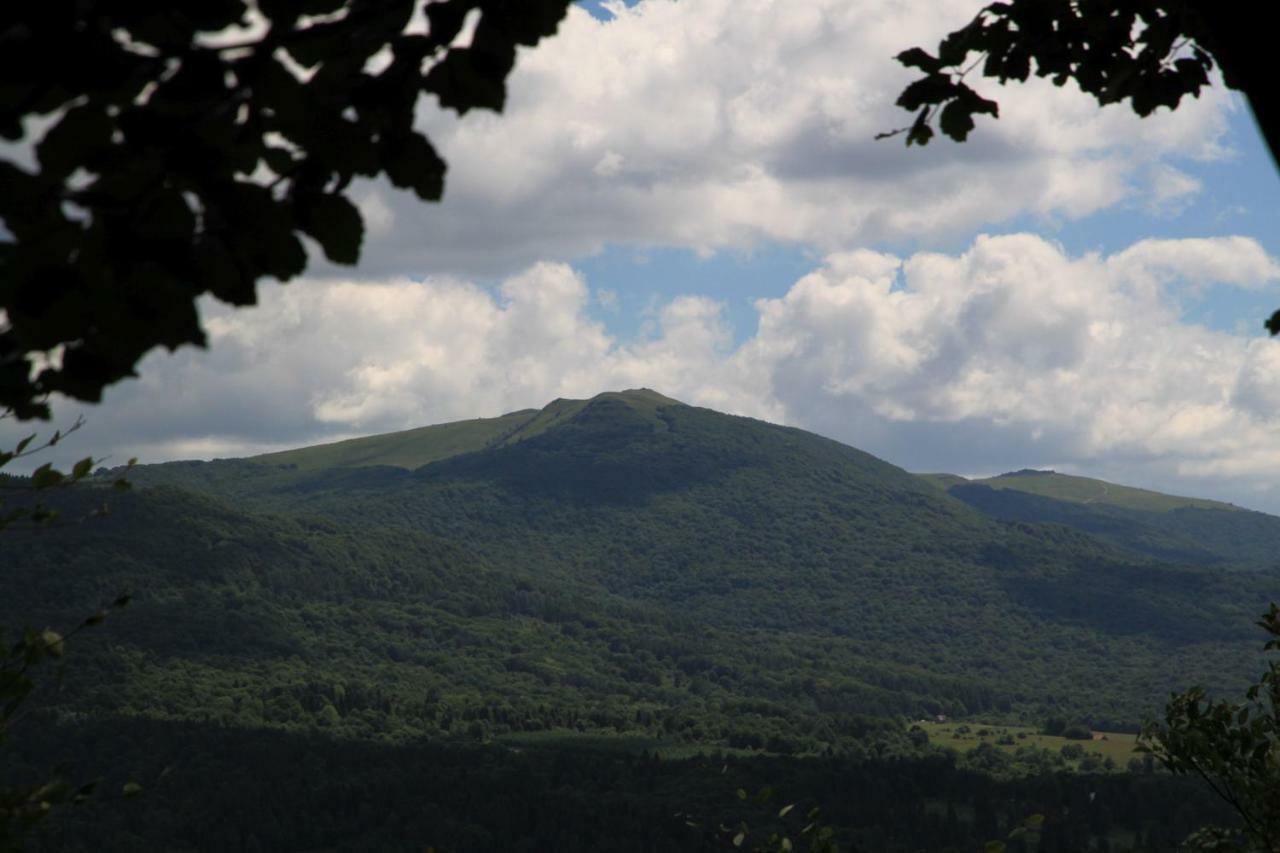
<point>630,555</point>
<point>613,575</point>
<point>1166,527</point>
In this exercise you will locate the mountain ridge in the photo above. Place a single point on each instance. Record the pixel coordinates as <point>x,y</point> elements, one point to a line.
<point>411,449</point>
<point>1140,523</point>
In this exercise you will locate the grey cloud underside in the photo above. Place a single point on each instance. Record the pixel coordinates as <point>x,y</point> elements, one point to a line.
<point>201,393</point>
<point>968,446</point>
<point>467,237</point>
<point>814,154</point>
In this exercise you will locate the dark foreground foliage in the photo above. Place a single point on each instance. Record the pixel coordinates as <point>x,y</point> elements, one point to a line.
<point>213,788</point>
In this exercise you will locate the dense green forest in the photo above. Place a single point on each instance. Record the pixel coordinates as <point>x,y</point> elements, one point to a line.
<point>586,619</point>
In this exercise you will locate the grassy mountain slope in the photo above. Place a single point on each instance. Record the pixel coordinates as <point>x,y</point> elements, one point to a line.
<point>1085,490</point>
<point>1140,521</point>
<point>414,448</point>
<point>642,402</point>
<point>408,449</point>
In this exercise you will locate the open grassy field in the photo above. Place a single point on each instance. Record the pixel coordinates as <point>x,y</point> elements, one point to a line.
<point>964,736</point>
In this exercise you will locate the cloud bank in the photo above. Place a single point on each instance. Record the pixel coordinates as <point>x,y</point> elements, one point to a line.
<point>723,124</point>
<point>1007,354</point>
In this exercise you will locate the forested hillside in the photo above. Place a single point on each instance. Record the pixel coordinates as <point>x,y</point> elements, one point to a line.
<point>624,570</point>
<point>632,548</point>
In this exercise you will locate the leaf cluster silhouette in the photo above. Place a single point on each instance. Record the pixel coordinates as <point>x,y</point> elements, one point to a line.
<point>190,148</point>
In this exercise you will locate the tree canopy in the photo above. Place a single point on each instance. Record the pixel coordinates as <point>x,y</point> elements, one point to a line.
<point>1235,748</point>
<point>189,146</point>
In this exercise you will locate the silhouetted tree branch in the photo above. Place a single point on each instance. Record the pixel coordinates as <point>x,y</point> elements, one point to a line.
<point>191,145</point>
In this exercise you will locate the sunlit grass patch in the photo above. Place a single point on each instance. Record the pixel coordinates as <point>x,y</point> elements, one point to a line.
<point>963,736</point>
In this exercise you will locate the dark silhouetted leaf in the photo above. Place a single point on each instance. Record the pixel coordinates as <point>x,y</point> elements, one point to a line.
<point>335,224</point>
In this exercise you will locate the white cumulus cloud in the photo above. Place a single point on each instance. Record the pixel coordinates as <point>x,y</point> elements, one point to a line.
<point>724,124</point>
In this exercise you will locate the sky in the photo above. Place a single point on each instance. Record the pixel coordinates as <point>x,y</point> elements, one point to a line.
<point>688,196</point>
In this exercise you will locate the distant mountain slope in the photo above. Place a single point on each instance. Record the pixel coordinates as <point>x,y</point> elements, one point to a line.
<point>1084,490</point>
<point>1166,527</point>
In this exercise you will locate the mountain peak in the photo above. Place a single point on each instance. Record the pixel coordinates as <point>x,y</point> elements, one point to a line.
<point>639,395</point>
<point>641,401</point>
